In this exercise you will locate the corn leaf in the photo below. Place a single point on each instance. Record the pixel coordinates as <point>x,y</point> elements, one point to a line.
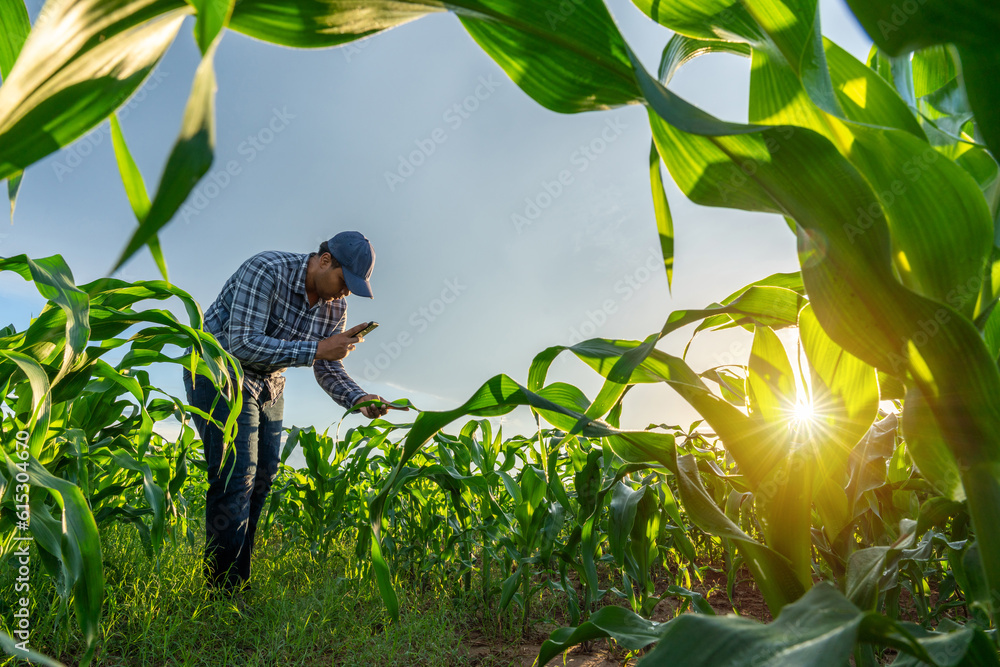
<point>189,159</point>
<point>81,61</point>
<point>135,189</point>
<point>568,57</point>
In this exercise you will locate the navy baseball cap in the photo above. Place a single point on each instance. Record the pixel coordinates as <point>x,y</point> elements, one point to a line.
<point>357,259</point>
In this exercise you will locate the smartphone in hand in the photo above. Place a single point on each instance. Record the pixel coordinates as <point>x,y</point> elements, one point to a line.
<point>367,330</point>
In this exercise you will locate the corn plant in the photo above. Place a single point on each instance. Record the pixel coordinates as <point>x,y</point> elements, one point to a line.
<point>884,170</point>
<point>90,455</point>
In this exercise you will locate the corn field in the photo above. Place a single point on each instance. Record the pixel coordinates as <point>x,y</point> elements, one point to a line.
<point>855,483</point>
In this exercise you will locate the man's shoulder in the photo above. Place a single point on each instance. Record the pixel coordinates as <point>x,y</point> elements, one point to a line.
<point>273,262</point>
<point>277,258</point>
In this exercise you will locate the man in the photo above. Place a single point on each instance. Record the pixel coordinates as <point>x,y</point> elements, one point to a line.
<point>279,309</point>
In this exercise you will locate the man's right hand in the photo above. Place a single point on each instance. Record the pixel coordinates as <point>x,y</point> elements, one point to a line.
<point>339,345</point>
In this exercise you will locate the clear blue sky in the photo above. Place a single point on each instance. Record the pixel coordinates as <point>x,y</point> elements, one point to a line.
<point>336,122</point>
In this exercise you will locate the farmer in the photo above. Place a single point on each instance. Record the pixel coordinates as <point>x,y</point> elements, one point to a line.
<point>279,309</point>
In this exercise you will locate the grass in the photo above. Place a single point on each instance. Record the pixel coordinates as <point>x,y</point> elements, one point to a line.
<point>303,611</point>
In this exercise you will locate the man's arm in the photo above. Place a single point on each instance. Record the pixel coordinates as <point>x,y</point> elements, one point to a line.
<point>248,318</point>
<point>333,377</point>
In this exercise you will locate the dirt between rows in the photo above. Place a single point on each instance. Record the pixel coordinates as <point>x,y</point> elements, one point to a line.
<point>747,601</point>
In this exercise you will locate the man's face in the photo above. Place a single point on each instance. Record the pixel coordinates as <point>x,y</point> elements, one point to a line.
<point>330,282</point>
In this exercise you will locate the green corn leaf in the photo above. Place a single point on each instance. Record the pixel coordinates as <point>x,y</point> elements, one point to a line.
<point>933,68</point>
<point>770,382</point>
<point>928,449</point>
<point>41,399</point>
<point>568,57</point>
<point>844,404</point>
<point>153,493</point>
<point>895,163</point>
<point>81,61</point>
<point>681,49</point>
<point>965,646</point>
<point>822,629</point>
<point>787,30</point>
<point>628,629</point>
<point>189,159</point>
<point>10,646</point>
<point>13,186</point>
<point>864,572</point>
<point>864,96</point>
<point>54,281</point>
<point>856,298</point>
<point>971,26</point>
<point>661,208</point>
<point>509,587</point>
<point>14,28</point>
<point>624,503</point>
<point>135,189</point>
<point>81,544</point>
<point>213,16</point>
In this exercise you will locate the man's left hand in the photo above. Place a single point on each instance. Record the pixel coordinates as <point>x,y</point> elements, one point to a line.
<point>375,410</point>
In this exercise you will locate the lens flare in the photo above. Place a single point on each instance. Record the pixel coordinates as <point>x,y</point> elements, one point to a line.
<point>803,412</point>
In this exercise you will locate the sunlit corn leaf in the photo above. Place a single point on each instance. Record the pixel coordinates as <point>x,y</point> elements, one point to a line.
<point>771,381</point>
<point>970,25</point>
<point>569,57</point>
<point>894,162</point>
<point>14,28</point>
<point>785,30</point>
<point>856,297</point>
<point>81,61</point>
<point>844,403</point>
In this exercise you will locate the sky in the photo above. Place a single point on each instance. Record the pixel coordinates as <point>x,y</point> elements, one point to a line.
<point>416,138</point>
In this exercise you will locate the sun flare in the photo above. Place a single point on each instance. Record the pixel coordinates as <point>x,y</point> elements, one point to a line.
<point>803,412</point>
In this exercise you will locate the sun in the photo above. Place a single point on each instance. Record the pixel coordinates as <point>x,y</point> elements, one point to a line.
<point>803,412</point>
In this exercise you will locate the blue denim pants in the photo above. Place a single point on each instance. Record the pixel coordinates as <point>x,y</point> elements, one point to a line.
<point>236,492</point>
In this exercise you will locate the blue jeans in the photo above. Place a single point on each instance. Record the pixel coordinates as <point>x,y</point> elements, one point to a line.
<point>237,492</point>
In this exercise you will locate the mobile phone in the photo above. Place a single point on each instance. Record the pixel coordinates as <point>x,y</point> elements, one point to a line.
<point>367,330</point>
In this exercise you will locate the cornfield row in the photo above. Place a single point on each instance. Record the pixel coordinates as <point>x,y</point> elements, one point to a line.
<point>884,170</point>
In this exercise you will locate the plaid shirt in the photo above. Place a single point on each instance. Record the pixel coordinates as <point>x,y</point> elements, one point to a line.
<point>263,318</point>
